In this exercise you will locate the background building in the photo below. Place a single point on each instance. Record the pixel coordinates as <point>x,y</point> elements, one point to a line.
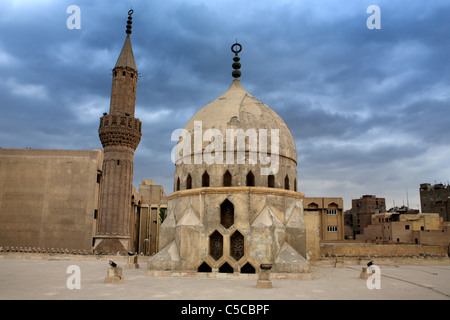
<point>422,228</point>
<point>403,210</point>
<point>49,202</point>
<point>435,198</point>
<point>331,215</point>
<point>149,216</point>
<point>362,210</point>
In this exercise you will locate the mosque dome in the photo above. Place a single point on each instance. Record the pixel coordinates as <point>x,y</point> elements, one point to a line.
<point>234,113</point>
<point>237,109</point>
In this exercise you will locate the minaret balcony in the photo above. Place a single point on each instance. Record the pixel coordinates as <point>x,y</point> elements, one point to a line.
<point>120,130</point>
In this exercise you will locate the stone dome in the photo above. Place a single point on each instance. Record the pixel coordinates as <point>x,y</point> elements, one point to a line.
<point>237,109</point>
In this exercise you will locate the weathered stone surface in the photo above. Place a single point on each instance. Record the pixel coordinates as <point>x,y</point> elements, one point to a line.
<point>264,284</point>
<point>167,230</point>
<point>166,259</point>
<point>48,197</point>
<point>296,231</point>
<point>290,261</point>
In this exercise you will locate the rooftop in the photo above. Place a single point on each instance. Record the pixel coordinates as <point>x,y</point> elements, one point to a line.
<point>44,277</point>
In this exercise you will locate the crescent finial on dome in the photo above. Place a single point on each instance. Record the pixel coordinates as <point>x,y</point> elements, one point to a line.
<point>236,48</point>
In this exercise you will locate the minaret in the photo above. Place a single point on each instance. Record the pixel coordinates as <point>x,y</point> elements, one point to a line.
<point>120,134</point>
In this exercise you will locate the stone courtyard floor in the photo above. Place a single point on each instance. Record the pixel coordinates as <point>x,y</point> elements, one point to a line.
<point>46,278</point>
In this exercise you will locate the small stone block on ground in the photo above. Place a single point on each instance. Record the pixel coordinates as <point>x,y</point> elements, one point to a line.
<point>339,263</point>
<point>364,274</point>
<point>132,263</point>
<point>114,276</point>
<point>264,284</point>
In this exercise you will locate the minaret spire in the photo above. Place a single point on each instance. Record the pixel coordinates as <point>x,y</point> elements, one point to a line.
<point>120,134</point>
<point>126,57</point>
<point>125,74</point>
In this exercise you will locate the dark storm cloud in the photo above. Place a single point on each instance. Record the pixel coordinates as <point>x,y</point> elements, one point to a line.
<point>366,107</point>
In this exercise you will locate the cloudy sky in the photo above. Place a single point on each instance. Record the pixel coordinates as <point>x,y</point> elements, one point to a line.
<point>368,108</point>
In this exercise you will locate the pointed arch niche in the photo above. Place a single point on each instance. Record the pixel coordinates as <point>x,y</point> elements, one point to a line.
<point>248,268</point>
<point>286,182</point>
<point>226,268</point>
<point>205,179</point>
<point>237,245</point>
<point>204,267</point>
<point>227,214</point>
<point>271,181</point>
<point>250,179</point>
<point>216,245</point>
<point>227,179</point>
<point>188,182</point>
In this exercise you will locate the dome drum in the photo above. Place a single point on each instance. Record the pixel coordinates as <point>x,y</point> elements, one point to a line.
<point>239,176</point>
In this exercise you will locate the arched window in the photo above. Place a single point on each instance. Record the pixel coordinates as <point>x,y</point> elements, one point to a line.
<point>295,185</point>
<point>227,214</point>
<point>237,245</point>
<point>271,181</point>
<point>286,182</point>
<point>250,179</point>
<point>189,182</point>
<point>205,179</point>
<point>178,184</point>
<point>216,245</point>
<point>227,179</point>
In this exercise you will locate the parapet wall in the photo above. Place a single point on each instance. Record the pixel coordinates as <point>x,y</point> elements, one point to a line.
<point>48,199</point>
<point>381,250</point>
